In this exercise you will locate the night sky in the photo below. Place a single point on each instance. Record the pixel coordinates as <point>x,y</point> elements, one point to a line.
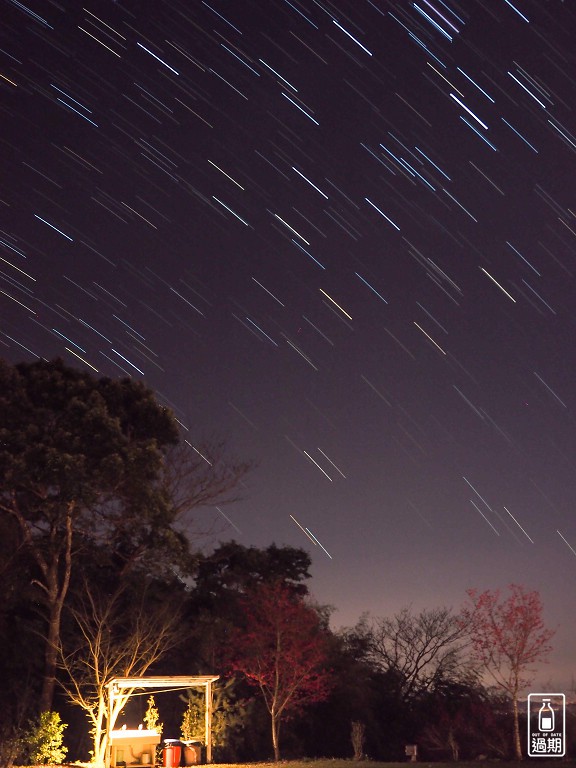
<point>339,235</point>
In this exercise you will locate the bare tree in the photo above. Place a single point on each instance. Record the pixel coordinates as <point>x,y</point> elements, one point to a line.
<point>419,649</point>
<point>190,478</point>
<point>118,636</point>
<point>198,475</point>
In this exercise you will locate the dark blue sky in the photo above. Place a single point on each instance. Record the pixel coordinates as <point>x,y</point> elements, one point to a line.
<point>341,236</point>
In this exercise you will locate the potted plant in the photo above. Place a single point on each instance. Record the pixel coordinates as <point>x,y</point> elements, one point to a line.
<point>192,724</point>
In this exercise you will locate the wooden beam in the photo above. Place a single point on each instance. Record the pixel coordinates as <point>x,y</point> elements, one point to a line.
<point>176,681</point>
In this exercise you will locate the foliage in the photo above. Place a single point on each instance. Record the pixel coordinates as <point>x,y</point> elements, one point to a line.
<point>359,693</point>
<point>192,726</point>
<point>152,716</point>
<point>94,463</point>
<point>221,579</point>
<point>508,637</point>
<point>20,640</point>
<point>44,739</point>
<point>282,649</point>
<point>230,716</point>
<point>233,568</point>
<point>78,455</point>
<point>152,723</point>
<point>461,720</point>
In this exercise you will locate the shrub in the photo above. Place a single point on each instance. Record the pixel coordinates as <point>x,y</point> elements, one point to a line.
<point>44,740</point>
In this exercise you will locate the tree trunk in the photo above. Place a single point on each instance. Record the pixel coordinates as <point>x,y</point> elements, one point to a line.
<point>275,735</point>
<point>99,732</point>
<point>50,659</point>
<point>102,725</point>
<point>517,744</point>
<point>57,584</point>
<point>453,744</point>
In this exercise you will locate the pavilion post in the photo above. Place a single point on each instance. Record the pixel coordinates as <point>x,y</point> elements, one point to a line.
<point>208,722</point>
<point>108,752</point>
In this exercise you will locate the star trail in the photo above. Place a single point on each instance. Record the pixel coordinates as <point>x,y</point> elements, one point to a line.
<point>338,223</point>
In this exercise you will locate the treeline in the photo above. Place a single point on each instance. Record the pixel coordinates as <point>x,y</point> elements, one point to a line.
<point>101,578</point>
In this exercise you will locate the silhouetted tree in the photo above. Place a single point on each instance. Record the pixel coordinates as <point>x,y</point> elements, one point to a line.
<point>222,578</point>
<point>460,719</point>
<point>420,650</point>
<point>233,569</point>
<point>70,445</point>
<point>356,696</point>
<point>84,461</point>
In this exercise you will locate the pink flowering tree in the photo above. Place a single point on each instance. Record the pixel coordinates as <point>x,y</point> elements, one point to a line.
<point>508,638</point>
<point>283,650</point>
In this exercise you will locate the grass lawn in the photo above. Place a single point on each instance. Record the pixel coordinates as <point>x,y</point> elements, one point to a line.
<point>536,762</point>
<point>339,763</point>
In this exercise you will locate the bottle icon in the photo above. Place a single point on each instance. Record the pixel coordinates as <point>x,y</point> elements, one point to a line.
<point>546,716</point>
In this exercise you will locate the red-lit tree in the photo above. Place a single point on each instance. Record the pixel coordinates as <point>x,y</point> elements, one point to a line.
<point>508,637</point>
<point>282,649</point>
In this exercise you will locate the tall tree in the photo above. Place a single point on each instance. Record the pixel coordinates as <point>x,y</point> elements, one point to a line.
<point>508,637</point>
<point>71,445</point>
<point>223,577</point>
<point>21,644</point>
<point>83,460</point>
<point>282,649</point>
<point>356,696</point>
<point>418,650</point>
<point>233,568</point>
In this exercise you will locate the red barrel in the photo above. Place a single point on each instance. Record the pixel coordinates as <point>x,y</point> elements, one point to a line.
<point>171,755</point>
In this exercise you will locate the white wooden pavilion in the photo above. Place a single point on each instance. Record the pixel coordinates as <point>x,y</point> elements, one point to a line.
<point>120,685</point>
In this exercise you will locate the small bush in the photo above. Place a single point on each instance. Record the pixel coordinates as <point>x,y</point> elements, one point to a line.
<point>44,740</point>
